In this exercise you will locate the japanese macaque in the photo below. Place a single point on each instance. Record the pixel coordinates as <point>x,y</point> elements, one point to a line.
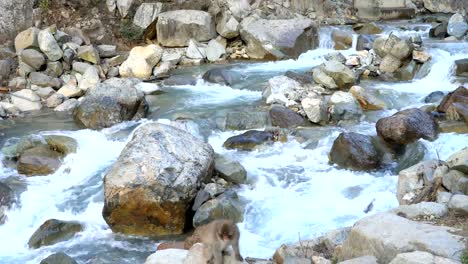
<point>217,236</point>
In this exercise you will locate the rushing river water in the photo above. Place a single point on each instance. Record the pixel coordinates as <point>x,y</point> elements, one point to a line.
<point>293,192</point>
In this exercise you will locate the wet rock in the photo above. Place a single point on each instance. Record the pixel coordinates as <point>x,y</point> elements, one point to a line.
<point>89,54</point>
<point>416,183</point>
<point>459,204</point>
<point>28,142</point>
<point>6,201</point>
<point>407,126</point>
<point>412,154</point>
<point>49,45</point>
<point>228,26</point>
<point>58,258</point>
<point>424,209</point>
<point>407,71</point>
<point>278,39</point>
<point>322,78</point>
<point>230,170</point>
<point>33,58</point>
<point>367,99</point>
<point>421,257</point>
<point>456,182</point>
<point>167,256</point>
<point>355,151</point>
<point>459,161</point>
<point>386,235</point>
<point>222,76</point>
<point>285,118</point>
<point>361,260</point>
<point>167,181</point>
<point>43,80</point>
<point>249,140</point>
<point>26,100</point>
<point>141,61</point>
<point>343,106</point>
<point>62,144</point>
<point>364,42</point>
<point>53,231</point>
<point>89,79</point>
<point>368,28</point>
<point>111,102</point>
<point>175,28</point>
<point>315,109</point>
<point>147,13</point>
<point>342,75</point>
<point>335,56</point>
<point>421,56</point>
<point>67,106</point>
<point>460,95</point>
<point>439,31</point>
<point>214,50</point>
<point>225,206</point>
<point>457,26</point>
<point>40,160</point>
<point>461,68</point>
<point>434,97</point>
<point>27,39</point>
<point>55,100</point>
<point>343,40</point>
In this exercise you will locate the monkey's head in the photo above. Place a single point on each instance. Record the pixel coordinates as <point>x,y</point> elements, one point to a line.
<point>226,232</point>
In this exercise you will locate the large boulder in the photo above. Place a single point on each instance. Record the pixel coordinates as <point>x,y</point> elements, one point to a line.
<point>457,26</point>
<point>249,140</point>
<point>150,187</point>
<point>416,183</point>
<point>459,204</point>
<point>278,39</point>
<point>421,257</point>
<point>386,235</point>
<point>147,13</point>
<point>230,170</point>
<point>40,160</point>
<point>459,161</point>
<point>355,151</point>
<point>393,45</point>
<point>53,231</point>
<point>227,26</point>
<point>58,258</point>
<point>17,15</point>
<point>285,118</point>
<point>33,58</point>
<point>446,6</point>
<point>167,256</point>
<point>111,102</point>
<point>450,101</point>
<point>407,126</point>
<point>141,61</point>
<point>422,210</point>
<point>176,28</point>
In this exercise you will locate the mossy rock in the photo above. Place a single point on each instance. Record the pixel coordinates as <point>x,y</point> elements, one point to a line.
<point>58,258</point>
<point>62,144</point>
<point>40,160</point>
<point>53,231</point>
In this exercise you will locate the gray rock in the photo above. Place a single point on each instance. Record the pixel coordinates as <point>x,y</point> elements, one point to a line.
<point>196,50</point>
<point>49,45</point>
<point>70,91</point>
<point>67,106</point>
<point>41,79</point>
<point>230,170</point>
<point>283,117</point>
<point>407,126</point>
<point>421,257</point>
<point>456,182</point>
<point>147,13</point>
<point>225,206</point>
<point>368,28</point>
<point>222,76</point>
<point>315,109</point>
<point>80,67</point>
<point>227,26</point>
<point>167,164</point>
<point>461,67</point>
<point>361,260</point>
<point>355,151</point>
<point>55,100</point>
<point>33,58</point>
<point>459,203</point>
<point>389,64</point>
<point>278,39</point>
<point>322,78</point>
<point>439,30</point>
<point>54,68</point>
<point>459,161</point>
<point>26,100</point>
<point>17,15</point>
<point>249,140</point>
<point>343,39</point>
<point>386,235</point>
<point>45,92</point>
<point>457,26</point>
<point>434,97</point>
<point>444,197</point>
<point>423,209</point>
<point>123,6</point>
<point>176,28</point>
<point>121,99</point>
<point>214,50</point>
<point>89,79</point>
<point>245,120</point>
<point>162,71</point>
<point>407,71</point>
<point>393,45</point>
<point>343,106</point>
<point>445,6</point>
<point>342,75</point>
<point>167,256</point>
<point>58,258</point>
<point>107,51</point>
<point>367,100</point>
<point>364,42</point>
<point>53,231</point>
<point>6,69</point>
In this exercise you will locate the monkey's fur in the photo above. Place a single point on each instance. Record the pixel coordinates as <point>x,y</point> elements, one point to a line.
<point>217,236</point>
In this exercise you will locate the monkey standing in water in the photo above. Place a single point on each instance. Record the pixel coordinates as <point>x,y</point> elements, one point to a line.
<point>217,236</point>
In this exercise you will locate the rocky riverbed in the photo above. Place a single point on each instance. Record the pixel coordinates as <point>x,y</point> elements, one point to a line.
<point>327,138</point>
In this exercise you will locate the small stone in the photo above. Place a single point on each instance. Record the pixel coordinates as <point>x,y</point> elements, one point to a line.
<point>89,53</point>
